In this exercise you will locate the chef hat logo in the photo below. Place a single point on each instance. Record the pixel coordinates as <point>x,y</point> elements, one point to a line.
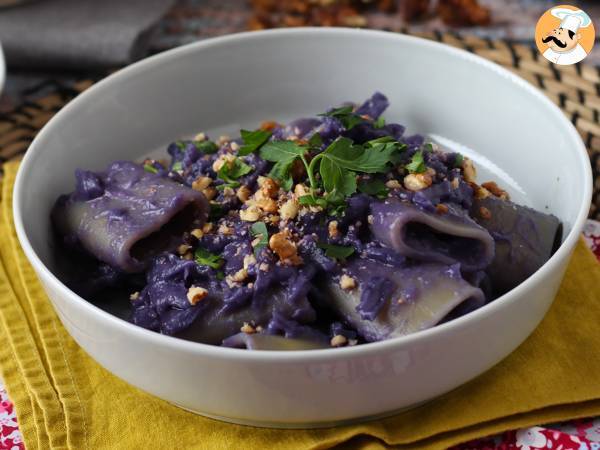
<point>570,19</point>
<point>565,35</point>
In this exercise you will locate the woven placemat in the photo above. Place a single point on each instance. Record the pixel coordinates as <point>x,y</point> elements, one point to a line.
<point>575,89</point>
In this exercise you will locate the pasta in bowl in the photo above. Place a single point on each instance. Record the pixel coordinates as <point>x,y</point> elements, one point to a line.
<point>380,363</point>
<point>333,230</point>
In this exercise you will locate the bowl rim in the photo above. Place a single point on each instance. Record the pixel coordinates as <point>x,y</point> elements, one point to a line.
<point>326,354</point>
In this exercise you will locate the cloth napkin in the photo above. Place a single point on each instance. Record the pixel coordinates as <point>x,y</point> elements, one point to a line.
<point>78,34</point>
<point>64,399</point>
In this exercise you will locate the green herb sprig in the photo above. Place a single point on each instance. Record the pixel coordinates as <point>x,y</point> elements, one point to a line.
<point>259,230</point>
<point>205,258</point>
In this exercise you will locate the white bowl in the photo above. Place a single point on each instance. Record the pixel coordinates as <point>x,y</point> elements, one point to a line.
<point>240,80</point>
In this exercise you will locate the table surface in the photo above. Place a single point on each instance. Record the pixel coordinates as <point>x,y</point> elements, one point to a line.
<point>190,20</point>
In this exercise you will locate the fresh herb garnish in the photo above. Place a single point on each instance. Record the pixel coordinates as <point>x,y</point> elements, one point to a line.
<point>233,170</point>
<point>259,230</point>
<point>315,141</point>
<point>150,168</point>
<point>373,187</point>
<point>417,164</point>
<point>180,145</point>
<point>336,251</point>
<point>345,115</point>
<point>253,140</point>
<point>458,160</point>
<point>283,154</point>
<point>232,185</point>
<point>379,123</point>
<point>337,166</point>
<point>177,166</point>
<point>220,275</point>
<point>311,200</point>
<point>206,147</point>
<point>205,258</point>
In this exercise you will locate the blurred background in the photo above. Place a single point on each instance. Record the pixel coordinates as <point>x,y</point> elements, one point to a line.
<point>54,44</point>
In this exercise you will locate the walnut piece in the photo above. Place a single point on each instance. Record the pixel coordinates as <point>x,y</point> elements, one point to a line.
<point>417,181</point>
<point>196,294</point>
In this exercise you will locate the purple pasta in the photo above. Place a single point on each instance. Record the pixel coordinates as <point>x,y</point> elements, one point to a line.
<point>126,215</point>
<point>447,238</point>
<point>298,236</point>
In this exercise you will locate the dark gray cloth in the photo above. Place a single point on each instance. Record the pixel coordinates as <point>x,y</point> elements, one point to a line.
<point>78,34</point>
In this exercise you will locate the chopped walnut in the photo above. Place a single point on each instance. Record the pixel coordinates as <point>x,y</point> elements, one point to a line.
<point>228,192</point>
<point>370,219</point>
<point>201,183</point>
<point>239,276</point>
<point>289,210</point>
<point>268,125</point>
<point>188,256</point>
<point>250,214</point>
<point>300,190</point>
<point>454,183</point>
<point>264,267</point>
<point>269,188</point>
<point>135,296</point>
<point>223,139</point>
<point>480,192</point>
<point>209,193</point>
<point>249,260</point>
<point>496,190</point>
<point>183,249</point>
<point>338,340</point>
<point>267,204</point>
<point>469,172</point>
<point>347,283</point>
<point>207,227</point>
<point>200,137</point>
<point>222,160</point>
<point>197,233</point>
<point>440,208</point>
<point>225,230</point>
<point>243,193</point>
<point>247,328</point>
<point>393,184</point>
<point>485,213</point>
<point>234,146</point>
<point>332,229</point>
<point>281,244</point>
<point>417,181</point>
<point>195,294</point>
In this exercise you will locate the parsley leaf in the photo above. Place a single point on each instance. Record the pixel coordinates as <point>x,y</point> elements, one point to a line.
<point>417,164</point>
<point>253,140</point>
<point>259,229</point>
<point>207,147</point>
<point>233,185</point>
<point>379,123</point>
<point>234,170</point>
<point>315,141</point>
<point>150,168</point>
<point>345,115</point>
<point>354,157</point>
<point>177,166</point>
<point>180,145</point>
<point>458,160</point>
<point>336,251</point>
<point>373,187</point>
<point>205,258</point>
<point>310,200</point>
<point>283,154</point>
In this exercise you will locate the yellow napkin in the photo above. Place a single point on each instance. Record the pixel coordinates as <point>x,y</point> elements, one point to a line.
<point>64,399</point>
